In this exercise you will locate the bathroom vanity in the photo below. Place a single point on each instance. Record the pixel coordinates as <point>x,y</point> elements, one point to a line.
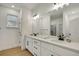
<point>51,46</point>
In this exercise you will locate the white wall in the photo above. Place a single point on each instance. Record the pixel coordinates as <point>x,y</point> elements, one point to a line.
<point>26,24</point>
<point>8,36</point>
<point>35,25</point>
<point>26,21</point>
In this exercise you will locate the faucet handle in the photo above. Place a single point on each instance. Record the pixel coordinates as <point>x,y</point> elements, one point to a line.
<point>68,40</point>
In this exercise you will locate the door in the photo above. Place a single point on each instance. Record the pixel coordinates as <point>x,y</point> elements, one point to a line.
<point>8,36</point>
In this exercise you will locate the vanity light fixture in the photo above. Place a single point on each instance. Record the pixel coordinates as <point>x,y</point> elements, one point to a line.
<point>54,3</point>
<point>35,17</point>
<point>57,5</point>
<point>67,4</point>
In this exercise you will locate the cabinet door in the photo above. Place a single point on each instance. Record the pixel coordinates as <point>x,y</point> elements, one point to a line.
<point>45,52</point>
<point>47,49</point>
<point>29,44</point>
<point>64,52</point>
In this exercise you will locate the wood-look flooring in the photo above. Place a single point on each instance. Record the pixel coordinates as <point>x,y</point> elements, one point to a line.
<point>15,52</point>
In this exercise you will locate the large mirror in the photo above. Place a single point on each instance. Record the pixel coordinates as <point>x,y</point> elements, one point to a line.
<point>56,23</point>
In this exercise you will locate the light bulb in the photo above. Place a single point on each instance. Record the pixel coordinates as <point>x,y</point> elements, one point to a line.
<point>12,6</point>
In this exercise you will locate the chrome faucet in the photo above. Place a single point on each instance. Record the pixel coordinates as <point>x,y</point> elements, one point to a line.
<point>61,37</point>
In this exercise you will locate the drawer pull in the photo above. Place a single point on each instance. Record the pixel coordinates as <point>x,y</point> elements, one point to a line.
<point>35,47</point>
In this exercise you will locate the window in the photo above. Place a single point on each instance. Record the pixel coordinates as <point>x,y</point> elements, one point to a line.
<point>12,21</point>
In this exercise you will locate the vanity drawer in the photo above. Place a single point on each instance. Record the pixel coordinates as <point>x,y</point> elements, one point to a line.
<point>36,42</point>
<point>36,48</point>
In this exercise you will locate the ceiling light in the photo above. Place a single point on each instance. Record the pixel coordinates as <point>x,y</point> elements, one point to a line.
<point>12,6</point>
<point>35,17</point>
<point>54,3</point>
<point>67,4</point>
<point>59,5</point>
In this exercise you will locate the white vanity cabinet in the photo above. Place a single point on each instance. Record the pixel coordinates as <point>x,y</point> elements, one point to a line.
<point>42,48</point>
<point>45,49</point>
<point>48,49</point>
<point>36,47</point>
<point>29,44</point>
<point>45,52</point>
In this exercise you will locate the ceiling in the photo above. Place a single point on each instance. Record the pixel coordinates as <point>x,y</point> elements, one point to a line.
<point>42,8</point>
<point>19,5</point>
<point>37,7</point>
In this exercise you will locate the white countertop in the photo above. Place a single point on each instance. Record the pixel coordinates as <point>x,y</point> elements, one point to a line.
<point>73,45</point>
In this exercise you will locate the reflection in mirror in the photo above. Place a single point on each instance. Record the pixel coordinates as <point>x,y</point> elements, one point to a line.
<point>53,30</point>
<point>56,24</point>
